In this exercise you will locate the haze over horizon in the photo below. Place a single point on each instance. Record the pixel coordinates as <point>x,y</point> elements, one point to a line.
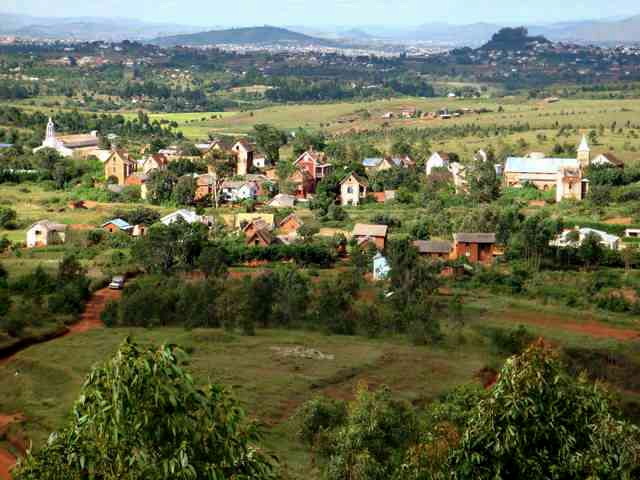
<point>335,13</point>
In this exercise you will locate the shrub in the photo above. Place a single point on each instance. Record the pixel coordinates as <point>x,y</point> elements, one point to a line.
<point>508,342</point>
<point>7,218</point>
<point>319,415</point>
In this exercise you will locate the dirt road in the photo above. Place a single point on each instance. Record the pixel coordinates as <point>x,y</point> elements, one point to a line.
<point>89,320</point>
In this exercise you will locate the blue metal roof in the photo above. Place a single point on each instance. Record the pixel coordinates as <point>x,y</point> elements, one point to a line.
<point>6,145</point>
<point>120,223</point>
<point>372,162</point>
<point>538,165</point>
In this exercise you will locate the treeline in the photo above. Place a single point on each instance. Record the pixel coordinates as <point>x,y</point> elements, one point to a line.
<point>39,298</point>
<point>18,91</point>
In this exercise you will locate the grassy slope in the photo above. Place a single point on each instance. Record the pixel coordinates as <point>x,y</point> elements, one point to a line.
<point>270,386</point>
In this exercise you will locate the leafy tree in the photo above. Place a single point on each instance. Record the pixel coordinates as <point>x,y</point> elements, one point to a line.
<point>376,429</point>
<point>185,190</point>
<point>160,186</point>
<point>541,423</point>
<point>591,251</point>
<point>141,416</point>
<point>305,139</point>
<point>269,139</point>
<point>7,217</point>
<point>483,182</point>
<point>213,261</point>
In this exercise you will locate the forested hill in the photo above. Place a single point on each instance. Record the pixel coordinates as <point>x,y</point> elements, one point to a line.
<point>245,36</point>
<point>513,39</point>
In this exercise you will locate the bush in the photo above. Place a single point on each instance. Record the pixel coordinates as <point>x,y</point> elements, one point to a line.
<point>508,342</point>
<point>110,314</point>
<point>8,218</point>
<point>319,415</point>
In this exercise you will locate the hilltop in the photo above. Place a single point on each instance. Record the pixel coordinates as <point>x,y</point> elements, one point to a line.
<point>252,35</point>
<point>513,39</point>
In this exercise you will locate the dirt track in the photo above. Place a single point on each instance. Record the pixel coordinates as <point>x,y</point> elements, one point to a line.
<point>590,328</point>
<point>89,320</point>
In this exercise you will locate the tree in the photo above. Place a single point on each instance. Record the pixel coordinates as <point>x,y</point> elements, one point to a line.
<point>160,186</point>
<point>7,217</point>
<point>366,447</point>
<point>213,261</point>
<point>140,416</point>
<point>305,139</point>
<point>591,251</point>
<point>482,180</point>
<point>539,422</point>
<point>269,139</point>
<point>185,190</point>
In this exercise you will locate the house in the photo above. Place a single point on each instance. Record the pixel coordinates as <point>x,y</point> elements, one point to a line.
<point>282,200</point>
<point>381,267</point>
<point>475,247</point>
<point>437,160</point>
<point>237,191</point>
<point>353,189</point>
<point>260,238</point>
<point>204,186</point>
<point>139,230</point>
<point>188,216</point>
<point>575,236</point>
<point>303,183</point>
<point>119,166</point>
<point>383,197</point>
<point>241,219</point>
<point>216,145</point>
<point>244,153</point>
<point>290,224</point>
<point>139,179</point>
<point>388,116</point>
<point>117,225</point>
<point>44,233</point>
<point>608,159</point>
<point>632,233</point>
<point>314,163</point>
<point>434,249</point>
<point>157,161</point>
<point>409,112</point>
<point>69,145</point>
<point>380,164</point>
<point>375,234</point>
<point>253,226</point>
<point>261,161</point>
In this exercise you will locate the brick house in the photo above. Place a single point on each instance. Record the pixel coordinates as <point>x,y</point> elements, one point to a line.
<point>475,247</point>
<point>290,224</point>
<point>434,249</point>
<point>315,165</point>
<point>365,234</point>
<point>244,153</point>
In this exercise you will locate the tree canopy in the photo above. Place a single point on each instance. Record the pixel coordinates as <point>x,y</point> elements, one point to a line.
<point>141,416</point>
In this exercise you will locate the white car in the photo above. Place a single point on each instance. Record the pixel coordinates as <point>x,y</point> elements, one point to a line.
<point>117,283</point>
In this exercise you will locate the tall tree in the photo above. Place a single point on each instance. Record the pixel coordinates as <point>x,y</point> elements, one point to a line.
<point>269,139</point>
<point>140,416</point>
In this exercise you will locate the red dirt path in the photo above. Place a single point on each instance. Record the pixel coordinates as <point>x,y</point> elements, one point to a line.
<point>591,328</point>
<point>7,460</point>
<point>89,320</point>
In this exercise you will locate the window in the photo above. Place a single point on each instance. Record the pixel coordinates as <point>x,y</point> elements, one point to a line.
<point>349,189</point>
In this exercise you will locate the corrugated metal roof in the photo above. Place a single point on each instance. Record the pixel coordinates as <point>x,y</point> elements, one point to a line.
<point>475,237</point>
<point>364,230</point>
<point>371,162</point>
<point>539,165</point>
<point>432,246</point>
<point>120,223</point>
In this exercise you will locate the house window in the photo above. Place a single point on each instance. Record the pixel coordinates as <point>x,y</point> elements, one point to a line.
<point>349,189</point>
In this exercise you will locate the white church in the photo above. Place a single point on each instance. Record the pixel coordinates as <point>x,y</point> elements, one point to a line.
<point>69,145</point>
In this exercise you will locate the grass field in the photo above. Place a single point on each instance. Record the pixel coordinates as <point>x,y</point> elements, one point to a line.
<point>43,381</point>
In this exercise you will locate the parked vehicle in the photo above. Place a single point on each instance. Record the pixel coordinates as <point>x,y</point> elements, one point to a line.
<point>117,283</point>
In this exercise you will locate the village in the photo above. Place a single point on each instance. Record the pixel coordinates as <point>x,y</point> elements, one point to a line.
<point>253,179</point>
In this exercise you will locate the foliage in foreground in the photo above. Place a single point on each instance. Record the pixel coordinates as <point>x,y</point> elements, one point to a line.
<point>538,422</point>
<point>141,416</point>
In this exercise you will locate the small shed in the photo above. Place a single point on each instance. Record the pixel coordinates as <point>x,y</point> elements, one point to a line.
<point>117,225</point>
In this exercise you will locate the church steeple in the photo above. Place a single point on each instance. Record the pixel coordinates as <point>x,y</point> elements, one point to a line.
<point>51,130</point>
<point>584,153</point>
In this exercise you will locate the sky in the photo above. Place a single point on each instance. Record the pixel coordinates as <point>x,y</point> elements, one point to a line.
<point>328,12</point>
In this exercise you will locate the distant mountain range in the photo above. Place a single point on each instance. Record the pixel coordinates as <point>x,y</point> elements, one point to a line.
<point>604,31</point>
<point>242,36</point>
<point>87,28</point>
